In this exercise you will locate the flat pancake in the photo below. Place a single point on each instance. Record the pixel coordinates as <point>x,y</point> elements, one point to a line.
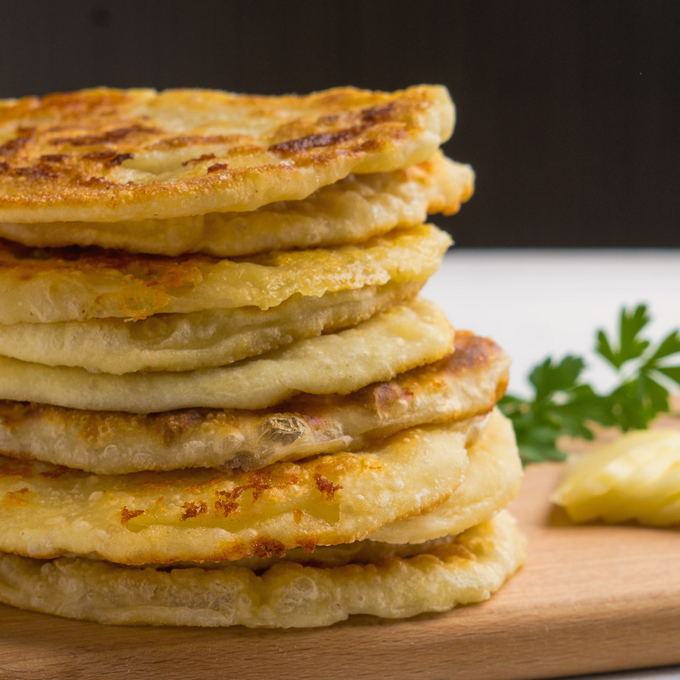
<point>389,343</point>
<point>197,515</point>
<point>183,342</point>
<point>463,571</point>
<point>77,284</point>
<point>464,384</point>
<point>351,210</point>
<point>492,480</point>
<point>108,155</point>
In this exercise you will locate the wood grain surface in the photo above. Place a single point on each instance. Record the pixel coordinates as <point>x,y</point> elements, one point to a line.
<point>591,598</point>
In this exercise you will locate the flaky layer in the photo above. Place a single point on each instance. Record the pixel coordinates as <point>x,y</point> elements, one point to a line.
<point>466,383</point>
<point>109,155</point>
<point>184,342</point>
<point>466,570</point>
<point>80,284</point>
<point>350,210</point>
<point>378,349</point>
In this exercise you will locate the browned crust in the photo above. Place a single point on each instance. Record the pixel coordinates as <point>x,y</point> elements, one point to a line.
<point>61,155</point>
<point>473,354</point>
<point>157,272</point>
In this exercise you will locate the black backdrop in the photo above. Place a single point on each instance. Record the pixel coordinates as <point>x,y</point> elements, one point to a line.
<point>566,108</point>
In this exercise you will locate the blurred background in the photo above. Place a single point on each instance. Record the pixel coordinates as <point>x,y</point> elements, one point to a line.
<point>567,109</point>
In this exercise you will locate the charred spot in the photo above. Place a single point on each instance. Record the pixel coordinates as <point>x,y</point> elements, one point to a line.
<point>326,487</point>
<point>4,166</point>
<point>108,157</point>
<point>369,145</point>
<point>40,171</point>
<point>224,505</point>
<point>268,547</point>
<point>316,140</point>
<point>258,483</point>
<point>56,472</point>
<point>378,114</point>
<point>10,147</point>
<point>176,423</point>
<point>126,515</point>
<point>53,157</point>
<point>191,509</point>
<point>120,157</point>
<point>108,137</point>
<point>201,158</point>
<point>95,182</point>
<point>99,155</point>
<point>227,501</point>
<point>16,468</point>
<point>218,167</point>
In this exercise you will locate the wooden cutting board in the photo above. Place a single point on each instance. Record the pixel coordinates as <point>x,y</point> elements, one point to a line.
<point>591,598</point>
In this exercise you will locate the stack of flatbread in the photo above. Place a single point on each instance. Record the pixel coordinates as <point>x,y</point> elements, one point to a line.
<point>222,400</point>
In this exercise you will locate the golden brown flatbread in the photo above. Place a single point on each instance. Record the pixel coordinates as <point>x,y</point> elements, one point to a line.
<point>109,155</point>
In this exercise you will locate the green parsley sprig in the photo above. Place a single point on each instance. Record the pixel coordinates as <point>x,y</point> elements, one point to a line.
<point>563,404</point>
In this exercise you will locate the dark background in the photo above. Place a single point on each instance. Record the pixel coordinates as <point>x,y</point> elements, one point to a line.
<point>567,109</point>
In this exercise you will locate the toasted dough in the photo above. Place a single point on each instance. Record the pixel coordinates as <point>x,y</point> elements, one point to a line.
<point>394,341</point>
<point>465,570</point>
<point>109,155</point>
<point>351,210</point>
<point>184,342</point>
<point>76,284</point>
<point>492,480</point>
<point>463,384</point>
<point>197,515</point>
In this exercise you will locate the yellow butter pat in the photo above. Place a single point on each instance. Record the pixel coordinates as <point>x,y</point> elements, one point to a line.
<point>634,478</point>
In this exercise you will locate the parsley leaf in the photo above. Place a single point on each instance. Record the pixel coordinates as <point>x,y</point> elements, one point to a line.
<point>630,345</point>
<point>564,405</point>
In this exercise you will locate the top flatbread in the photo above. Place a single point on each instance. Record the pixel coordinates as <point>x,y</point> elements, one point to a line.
<point>109,155</point>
